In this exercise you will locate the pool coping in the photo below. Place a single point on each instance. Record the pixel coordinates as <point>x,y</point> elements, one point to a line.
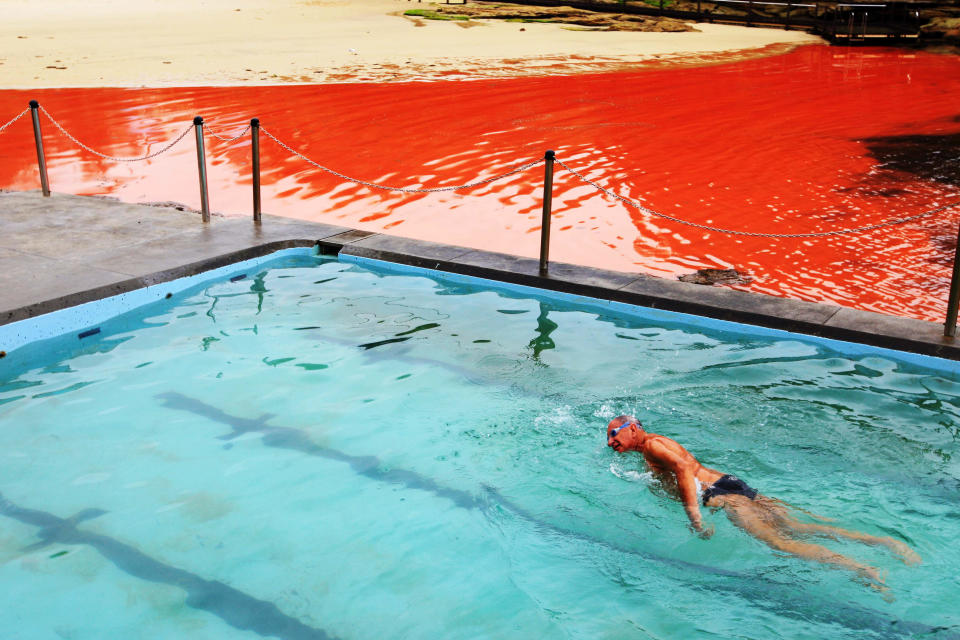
<point>136,265</point>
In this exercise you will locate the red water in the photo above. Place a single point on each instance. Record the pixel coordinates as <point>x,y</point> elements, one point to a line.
<point>815,140</point>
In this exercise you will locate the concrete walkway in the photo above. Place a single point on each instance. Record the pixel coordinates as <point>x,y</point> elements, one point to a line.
<point>64,250</point>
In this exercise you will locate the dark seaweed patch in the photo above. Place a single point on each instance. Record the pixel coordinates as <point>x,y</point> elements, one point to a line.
<point>312,367</point>
<point>277,362</point>
<point>423,327</point>
<point>380,343</point>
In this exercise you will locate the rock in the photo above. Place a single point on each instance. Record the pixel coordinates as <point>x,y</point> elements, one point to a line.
<point>596,20</point>
<point>716,276</point>
<point>169,204</point>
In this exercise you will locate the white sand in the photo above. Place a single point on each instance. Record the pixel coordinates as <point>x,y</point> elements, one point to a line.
<point>130,43</point>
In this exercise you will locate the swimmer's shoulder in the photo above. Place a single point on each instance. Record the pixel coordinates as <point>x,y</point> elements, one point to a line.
<point>663,445</point>
<point>666,448</point>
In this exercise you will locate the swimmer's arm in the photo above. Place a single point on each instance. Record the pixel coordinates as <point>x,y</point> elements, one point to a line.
<point>686,481</point>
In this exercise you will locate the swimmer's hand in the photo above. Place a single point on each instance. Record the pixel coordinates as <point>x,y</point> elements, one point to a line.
<point>703,532</point>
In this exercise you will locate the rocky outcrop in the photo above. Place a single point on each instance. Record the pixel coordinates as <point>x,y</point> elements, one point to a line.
<point>577,18</point>
<point>716,276</point>
<point>942,26</point>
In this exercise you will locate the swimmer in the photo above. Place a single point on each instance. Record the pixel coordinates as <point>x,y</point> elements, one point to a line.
<point>766,519</point>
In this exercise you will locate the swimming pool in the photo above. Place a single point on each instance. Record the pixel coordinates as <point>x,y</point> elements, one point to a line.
<point>303,447</point>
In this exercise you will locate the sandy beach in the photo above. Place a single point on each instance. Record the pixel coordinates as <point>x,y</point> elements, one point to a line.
<point>156,43</point>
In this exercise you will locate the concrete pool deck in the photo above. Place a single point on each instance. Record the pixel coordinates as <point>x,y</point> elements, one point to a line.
<point>65,250</point>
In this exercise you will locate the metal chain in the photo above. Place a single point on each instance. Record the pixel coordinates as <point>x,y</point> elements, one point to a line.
<point>374,185</point>
<point>470,185</point>
<point>226,139</point>
<point>822,234</point>
<point>97,153</point>
<point>20,115</point>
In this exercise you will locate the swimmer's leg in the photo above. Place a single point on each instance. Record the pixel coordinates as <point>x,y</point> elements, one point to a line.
<point>758,522</point>
<point>795,508</point>
<point>908,555</point>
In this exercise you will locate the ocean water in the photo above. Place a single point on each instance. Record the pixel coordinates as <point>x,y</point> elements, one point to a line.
<point>815,140</point>
<point>325,449</point>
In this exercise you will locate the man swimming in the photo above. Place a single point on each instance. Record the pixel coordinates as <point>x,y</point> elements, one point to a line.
<point>766,519</point>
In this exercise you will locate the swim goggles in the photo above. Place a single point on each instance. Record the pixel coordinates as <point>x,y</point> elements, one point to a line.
<point>614,432</point>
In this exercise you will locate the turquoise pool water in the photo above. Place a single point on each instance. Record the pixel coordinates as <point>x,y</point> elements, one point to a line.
<point>324,449</point>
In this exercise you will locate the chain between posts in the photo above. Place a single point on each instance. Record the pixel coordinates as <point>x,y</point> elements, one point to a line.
<point>627,201</point>
<point>374,185</point>
<point>225,138</point>
<point>114,158</point>
<point>755,234</point>
<point>18,116</point>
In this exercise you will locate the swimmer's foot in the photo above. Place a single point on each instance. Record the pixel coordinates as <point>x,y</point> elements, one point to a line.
<point>876,580</point>
<point>884,592</point>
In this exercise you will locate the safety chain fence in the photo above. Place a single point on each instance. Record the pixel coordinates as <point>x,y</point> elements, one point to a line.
<point>14,119</point>
<point>115,158</point>
<point>470,185</point>
<point>756,234</point>
<point>549,159</point>
<point>374,185</point>
<point>227,139</point>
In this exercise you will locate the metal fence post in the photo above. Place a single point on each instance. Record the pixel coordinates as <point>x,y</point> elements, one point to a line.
<point>950,326</point>
<point>202,167</point>
<point>547,206</point>
<point>38,137</point>
<point>255,151</point>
